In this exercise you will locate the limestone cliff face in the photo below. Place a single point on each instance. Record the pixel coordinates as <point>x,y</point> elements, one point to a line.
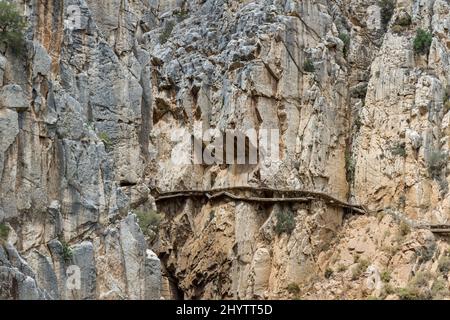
<point>73,93</point>
<point>90,116</point>
<point>365,125</point>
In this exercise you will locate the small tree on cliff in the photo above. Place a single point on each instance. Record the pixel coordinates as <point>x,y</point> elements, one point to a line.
<point>12,25</point>
<point>422,41</point>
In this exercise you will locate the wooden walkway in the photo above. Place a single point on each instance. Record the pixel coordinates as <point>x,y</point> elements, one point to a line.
<point>260,194</point>
<point>272,195</point>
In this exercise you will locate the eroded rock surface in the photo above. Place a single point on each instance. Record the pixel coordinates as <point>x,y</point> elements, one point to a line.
<point>92,115</point>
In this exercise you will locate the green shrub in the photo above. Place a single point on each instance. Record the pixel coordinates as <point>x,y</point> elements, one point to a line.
<point>342,268</point>
<point>308,66</point>
<point>422,41</point>
<point>357,122</point>
<point>345,38</point>
<point>402,200</point>
<point>182,15</point>
<point>387,10</point>
<point>409,293</point>
<point>405,229</point>
<point>439,289</point>
<point>426,254</point>
<point>167,32</point>
<point>444,265</point>
<point>386,276</point>
<point>149,221</point>
<point>359,92</point>
<point>285,222</point>
<point>446,95</point>
<point>399,149</point>
<point>402,23</point>
<point>359,269</point>
<point>421,279</point>
<point>388,289</point>
<point>447,106</point>
<point>293,288</point>
<point>12,25</point>
<point>103,136</point>
<point>328,273</point>
<point>212,215</point>
<point>436,162</point>
<point>446,99</point>
<point>417,288</point>
<point>4,232</point>
<point>66,251</point>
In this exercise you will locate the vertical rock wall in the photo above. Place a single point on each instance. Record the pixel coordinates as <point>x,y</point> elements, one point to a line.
<point>71,157</point>
<point>92,113</point>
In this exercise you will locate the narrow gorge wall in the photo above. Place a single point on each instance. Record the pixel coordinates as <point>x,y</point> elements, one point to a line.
<point>73,158</point>
<point>92,115</point>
